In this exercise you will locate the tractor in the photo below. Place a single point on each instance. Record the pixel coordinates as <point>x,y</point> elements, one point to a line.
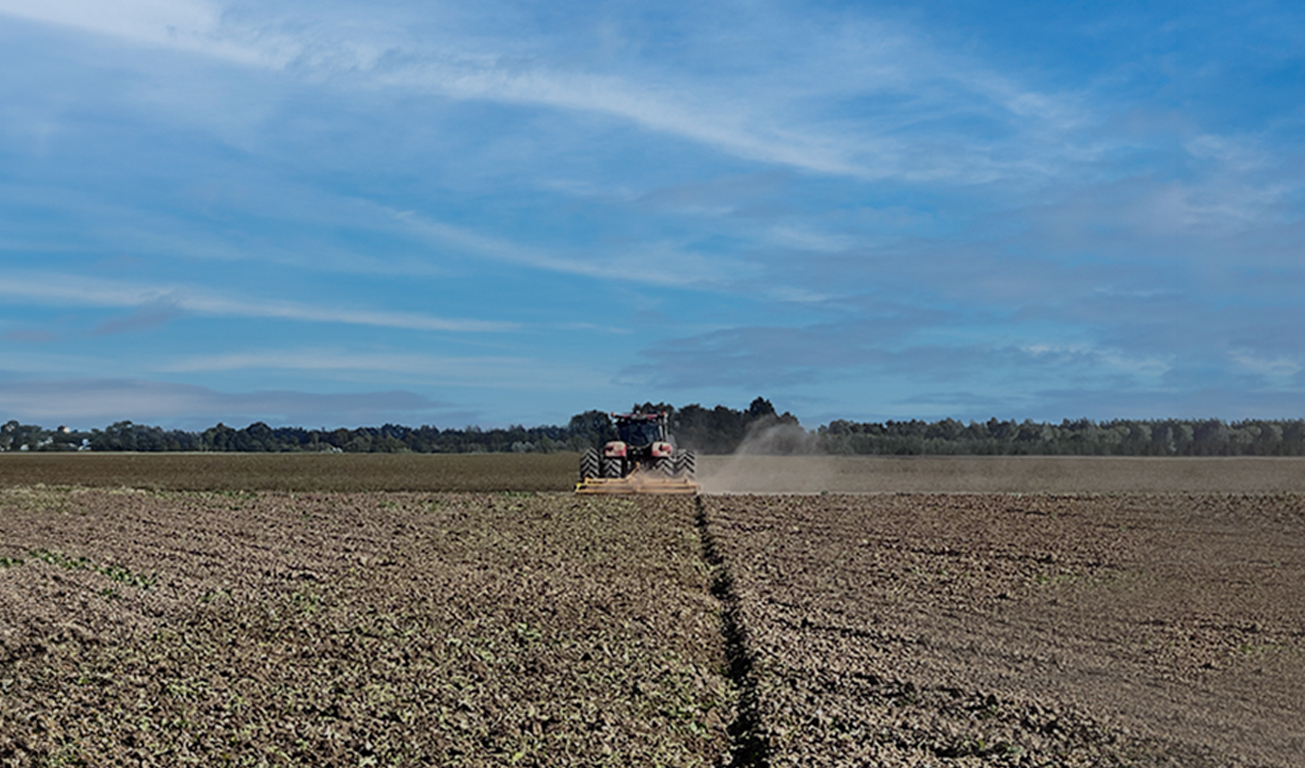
<point>641,460</point>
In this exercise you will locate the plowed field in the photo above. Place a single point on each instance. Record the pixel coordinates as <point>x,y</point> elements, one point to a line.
<point>211,610</point>
<point>304,472</point>
<point>1023,630</point>
<point>317,473</point>
<point>355,629</point>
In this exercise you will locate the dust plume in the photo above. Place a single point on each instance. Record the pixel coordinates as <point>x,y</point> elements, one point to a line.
<point>758,465</point>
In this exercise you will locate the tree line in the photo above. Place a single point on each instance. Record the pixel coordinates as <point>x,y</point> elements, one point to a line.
<point>719,430</point>
<point>1071,437</point>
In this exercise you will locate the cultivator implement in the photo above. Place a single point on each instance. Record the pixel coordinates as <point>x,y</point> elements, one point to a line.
<point>638,482</point>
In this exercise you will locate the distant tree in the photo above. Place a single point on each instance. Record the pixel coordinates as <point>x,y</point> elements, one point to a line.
<point>760,407</point>
<point>7,435</point>
<point>592,427</point>
<point>218,438</point>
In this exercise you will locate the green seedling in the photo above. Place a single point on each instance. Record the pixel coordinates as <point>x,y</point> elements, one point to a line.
<point>115,572</point>
<point>61,560</point>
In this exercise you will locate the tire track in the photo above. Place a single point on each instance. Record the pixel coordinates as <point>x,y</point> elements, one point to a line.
<point>749,740</point>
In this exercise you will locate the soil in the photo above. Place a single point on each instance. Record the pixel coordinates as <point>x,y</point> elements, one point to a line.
<point>355,472</point>
<point>302,472</point>
<point>355,629</point>
<point>1001,474</point>
<point>401,626</point>
<point>1022,630</point>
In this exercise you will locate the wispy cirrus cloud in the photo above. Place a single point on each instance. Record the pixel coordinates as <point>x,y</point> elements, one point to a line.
<point>144,317</point>
<point>93,402</point>
<point>663,264</point>
<point>153,301</point>
<point>490,372</point>
<point>791,117</point>
<point>425,244</point>
<point>192,25</point>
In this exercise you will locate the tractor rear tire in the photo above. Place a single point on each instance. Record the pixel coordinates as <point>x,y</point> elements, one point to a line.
<point>665,466</point>
<point>686,464</point>
<point>589,466</point>
<point>612,468</point>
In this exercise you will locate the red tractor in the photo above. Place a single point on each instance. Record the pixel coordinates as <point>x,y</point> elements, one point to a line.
<point>641,460</point>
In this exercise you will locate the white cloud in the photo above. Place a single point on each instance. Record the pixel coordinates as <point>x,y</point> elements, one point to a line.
<point>96,402</point>
<point>187,24</point>
<point>1279,367</point>
<point>1230,152</point>
<point>1221,206</point>
<point>755,111</point>
<point>149,20</point>
<point>424,242</point>
<point>486,372</point>
<point>69,290</point>
<point>804,239</point>
<point>728,130</point>
<point>654,263</point>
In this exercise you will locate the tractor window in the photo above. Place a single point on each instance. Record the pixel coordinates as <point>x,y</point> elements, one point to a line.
<point>639,432</point>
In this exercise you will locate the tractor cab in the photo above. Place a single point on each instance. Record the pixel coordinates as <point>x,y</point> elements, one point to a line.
<point>639,430</point>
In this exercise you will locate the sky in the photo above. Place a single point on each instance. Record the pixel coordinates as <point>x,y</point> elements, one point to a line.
<point>345,213</point>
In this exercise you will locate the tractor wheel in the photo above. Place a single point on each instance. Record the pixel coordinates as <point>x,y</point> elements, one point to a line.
<point>664,466</point>
<point>612,468</point>
<point>686,464</point>
<point>589,465</point>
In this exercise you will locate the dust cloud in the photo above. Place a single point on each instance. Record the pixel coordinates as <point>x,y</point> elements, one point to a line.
<point>783,458</point>
<point>806,474</point>
<point>775,458</point>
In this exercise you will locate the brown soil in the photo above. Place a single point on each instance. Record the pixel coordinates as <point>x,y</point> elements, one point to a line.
<point>355,629</point>
<point>1023,630</point>
<point>316,473</point>
<point>1155,625</point>
<point>306,472</point>
<point>1000,474</point>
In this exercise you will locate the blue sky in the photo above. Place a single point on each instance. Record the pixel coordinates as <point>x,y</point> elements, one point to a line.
<point>342,213</point>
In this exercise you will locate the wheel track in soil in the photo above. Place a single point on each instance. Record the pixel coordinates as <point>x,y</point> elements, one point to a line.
<point>749,740</point>
<point>1095,537</point>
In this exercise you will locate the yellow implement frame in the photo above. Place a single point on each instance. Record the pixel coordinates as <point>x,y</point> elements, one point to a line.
<point>638,482</point>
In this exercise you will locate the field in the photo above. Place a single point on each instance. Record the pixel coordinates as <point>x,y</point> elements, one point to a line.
<point>1023,630</point>
<point>718,474</point>
<point>243,472</point>
<point>344,629</point>
<point>418,610</point>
